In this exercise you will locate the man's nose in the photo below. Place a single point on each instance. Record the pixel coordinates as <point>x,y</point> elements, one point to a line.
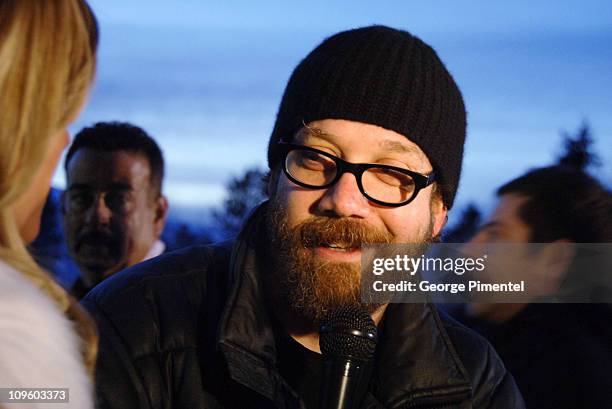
<point>98,213</point>
<point>344,199</point>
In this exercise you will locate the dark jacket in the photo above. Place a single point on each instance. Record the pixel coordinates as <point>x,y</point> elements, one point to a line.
<point>559,354</point>
<point>191,330</point>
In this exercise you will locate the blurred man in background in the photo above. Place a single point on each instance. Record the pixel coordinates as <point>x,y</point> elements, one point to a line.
<point>113,208</point>
<point>560,354</point>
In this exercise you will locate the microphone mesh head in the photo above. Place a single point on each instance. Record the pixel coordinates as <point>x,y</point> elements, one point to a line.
<point>348,332</point>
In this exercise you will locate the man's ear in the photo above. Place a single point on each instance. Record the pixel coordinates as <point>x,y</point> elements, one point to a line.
<point>439,214</point>
<point>558,257</point>
<point>161,214</point>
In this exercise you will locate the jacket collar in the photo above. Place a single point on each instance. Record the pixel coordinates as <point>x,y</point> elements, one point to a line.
<point>415,359</point>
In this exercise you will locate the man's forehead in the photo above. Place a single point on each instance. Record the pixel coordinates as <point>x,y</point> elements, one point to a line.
<point>506,212</point>
<point>384,140</point>
<point>109,186</point>
<point>401,147</point>
<point>105,167</point>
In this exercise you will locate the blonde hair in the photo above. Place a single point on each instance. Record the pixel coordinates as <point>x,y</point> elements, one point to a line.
<point>47,64</point>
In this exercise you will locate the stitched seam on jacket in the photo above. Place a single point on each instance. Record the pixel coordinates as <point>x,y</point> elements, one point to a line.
<point>449,344</point>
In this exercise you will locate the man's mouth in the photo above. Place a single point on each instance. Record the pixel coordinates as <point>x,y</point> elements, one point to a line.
<point>340,247</point>
<point>95,248</point>
<point>339,252</point>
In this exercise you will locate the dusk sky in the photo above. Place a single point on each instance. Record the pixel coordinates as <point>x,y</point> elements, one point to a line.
<point>206,79</point>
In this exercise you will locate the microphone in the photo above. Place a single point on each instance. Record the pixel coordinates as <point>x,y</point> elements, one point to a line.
<point>347,339</point>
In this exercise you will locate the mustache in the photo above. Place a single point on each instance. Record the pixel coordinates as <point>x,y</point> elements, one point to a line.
<point>344,232</point>
<point>96,237</point>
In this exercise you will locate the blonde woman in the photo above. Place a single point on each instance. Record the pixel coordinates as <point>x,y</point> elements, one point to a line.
<point>47,63</point>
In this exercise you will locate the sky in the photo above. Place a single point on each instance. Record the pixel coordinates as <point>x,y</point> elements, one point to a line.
<point>205,79</point>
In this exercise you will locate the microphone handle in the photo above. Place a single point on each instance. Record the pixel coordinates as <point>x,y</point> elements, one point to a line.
<point>344,383</point>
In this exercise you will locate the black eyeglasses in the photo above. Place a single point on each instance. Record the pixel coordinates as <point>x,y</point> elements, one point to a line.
<point>382,184</point>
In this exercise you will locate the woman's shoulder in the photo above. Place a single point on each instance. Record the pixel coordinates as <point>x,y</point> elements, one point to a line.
<point>21,303</point>
<point>39,347</point>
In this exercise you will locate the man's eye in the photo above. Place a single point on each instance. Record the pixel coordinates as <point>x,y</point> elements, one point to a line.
<point>490,234</point>
<point>80,200</point>
<point>116,200</point>
<point>394,178</point>
<point>314,161</point>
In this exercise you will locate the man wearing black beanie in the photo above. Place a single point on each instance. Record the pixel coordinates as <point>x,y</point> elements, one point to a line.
<point>367,148</point>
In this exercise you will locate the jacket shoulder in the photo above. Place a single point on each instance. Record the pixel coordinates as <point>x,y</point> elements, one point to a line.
<point>492,385</point>
<point>154,304</point>
<point>152,320</point>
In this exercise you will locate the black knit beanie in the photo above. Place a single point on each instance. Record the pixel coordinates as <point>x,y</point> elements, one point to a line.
<point>385,77</point>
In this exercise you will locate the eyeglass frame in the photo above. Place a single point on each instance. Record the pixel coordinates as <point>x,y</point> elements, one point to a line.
<point>421,181</point>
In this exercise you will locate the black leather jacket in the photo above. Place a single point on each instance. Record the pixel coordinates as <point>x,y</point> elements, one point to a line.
<point>190,330</point>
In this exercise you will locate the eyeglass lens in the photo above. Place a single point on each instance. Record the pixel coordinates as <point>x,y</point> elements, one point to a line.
<point>314,169</point>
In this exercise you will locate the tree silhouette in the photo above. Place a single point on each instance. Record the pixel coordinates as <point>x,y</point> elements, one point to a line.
<point>243,193</point>
<point>178,234</point>
<point>578,149</point>
<point>466,227</point>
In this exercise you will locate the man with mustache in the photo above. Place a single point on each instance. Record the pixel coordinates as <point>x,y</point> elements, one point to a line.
<point>113,209</point>
<point>367,148</point>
